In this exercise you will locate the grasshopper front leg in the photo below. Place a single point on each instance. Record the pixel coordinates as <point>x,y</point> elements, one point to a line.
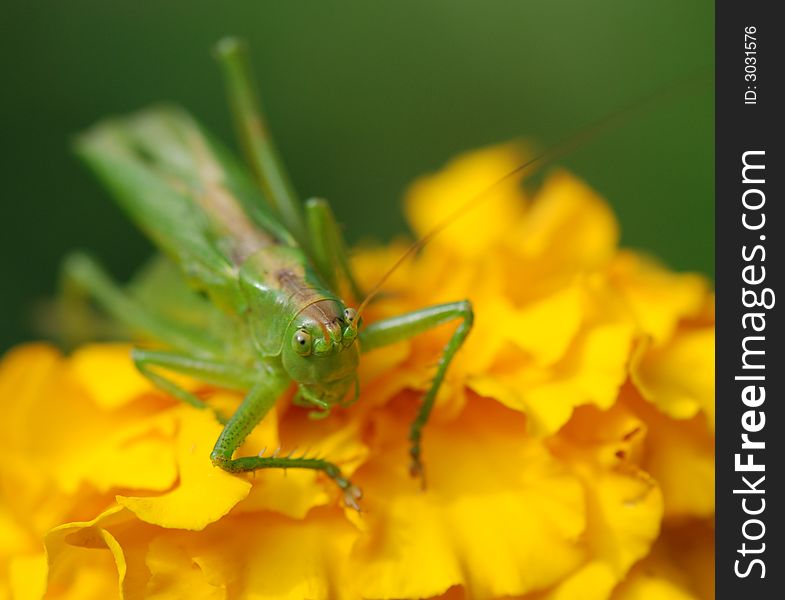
<point>395,329</point>
<point>256,404</point>
<point>265,388</point>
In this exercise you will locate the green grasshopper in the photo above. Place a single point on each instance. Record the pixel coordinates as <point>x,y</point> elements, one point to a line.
<point>262,307</point>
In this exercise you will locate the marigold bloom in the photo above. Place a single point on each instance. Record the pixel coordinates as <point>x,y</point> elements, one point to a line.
<point>570,454</point>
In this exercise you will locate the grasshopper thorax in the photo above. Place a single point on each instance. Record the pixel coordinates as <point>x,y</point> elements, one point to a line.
<point>292,315</point>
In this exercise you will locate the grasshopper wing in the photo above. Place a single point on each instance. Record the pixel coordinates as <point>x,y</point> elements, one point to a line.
<point>187,193</point>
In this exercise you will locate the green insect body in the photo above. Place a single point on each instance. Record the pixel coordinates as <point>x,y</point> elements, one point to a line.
<point>248,297</point>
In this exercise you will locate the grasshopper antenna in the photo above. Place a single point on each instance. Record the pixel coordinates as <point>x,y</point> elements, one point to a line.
<point>559,149</point>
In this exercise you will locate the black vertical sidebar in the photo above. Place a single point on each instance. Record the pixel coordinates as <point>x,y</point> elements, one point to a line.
<point>750,260</point>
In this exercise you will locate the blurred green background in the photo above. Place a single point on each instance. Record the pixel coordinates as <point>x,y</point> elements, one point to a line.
<point>362,97</point>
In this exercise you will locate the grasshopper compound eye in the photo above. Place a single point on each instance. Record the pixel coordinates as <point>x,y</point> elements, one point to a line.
<point>301,342</point>
<point>350,315</point>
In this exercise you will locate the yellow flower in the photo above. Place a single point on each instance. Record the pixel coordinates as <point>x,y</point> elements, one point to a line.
<point>569,456</point>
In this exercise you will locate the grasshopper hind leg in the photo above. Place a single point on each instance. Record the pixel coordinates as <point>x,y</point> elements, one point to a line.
<point>329,250</point>
<point>83,278</point>
<point>216,372</point>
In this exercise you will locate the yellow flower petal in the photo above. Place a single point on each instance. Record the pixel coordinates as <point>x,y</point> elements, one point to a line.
<point>13,535</point>
<point>270,557</point>
<point>108,374</point>
<point>656,577</point>
<point>137,457</point>
<point>625,506</point>
<point>433,198</point>
<point>545,328</point>
<point>593,581</point>
<point>24,374</point>
<point>569,230</point>
<point>175,575</point>
<point>680,457</point>
<point>591,373</point>
<point>658,298</point>
<point>493,501</point>
<point>27,577</point>
<point>625,509</point>
<point>678,377</point>
<point>81,443</point>
<point>650,585</point>
<point>62,467</point>
<point>690,545</point>
<point>188,506</point>
<point>65,545</point>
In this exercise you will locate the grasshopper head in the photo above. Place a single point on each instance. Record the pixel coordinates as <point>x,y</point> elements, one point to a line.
<point>321,354</point>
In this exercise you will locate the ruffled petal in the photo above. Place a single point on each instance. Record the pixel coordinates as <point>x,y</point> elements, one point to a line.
<point>569,230</point>
<point>68,562</point>
<point>591,373</point>
<point>679,456</point>
<point>262,557</point>
<point>433,198</point>
<point>108,374</point>
<point>188,506</point>
<point>657,577</point>
<point>624,504</point>
<point>593,581</point>
<point>658,298</point>
<point>493,500</point>
<point>678,377</point>
<point>175,575</point>
<point>63,467</point>
<point>25,372</point>
<point>27,577</point>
